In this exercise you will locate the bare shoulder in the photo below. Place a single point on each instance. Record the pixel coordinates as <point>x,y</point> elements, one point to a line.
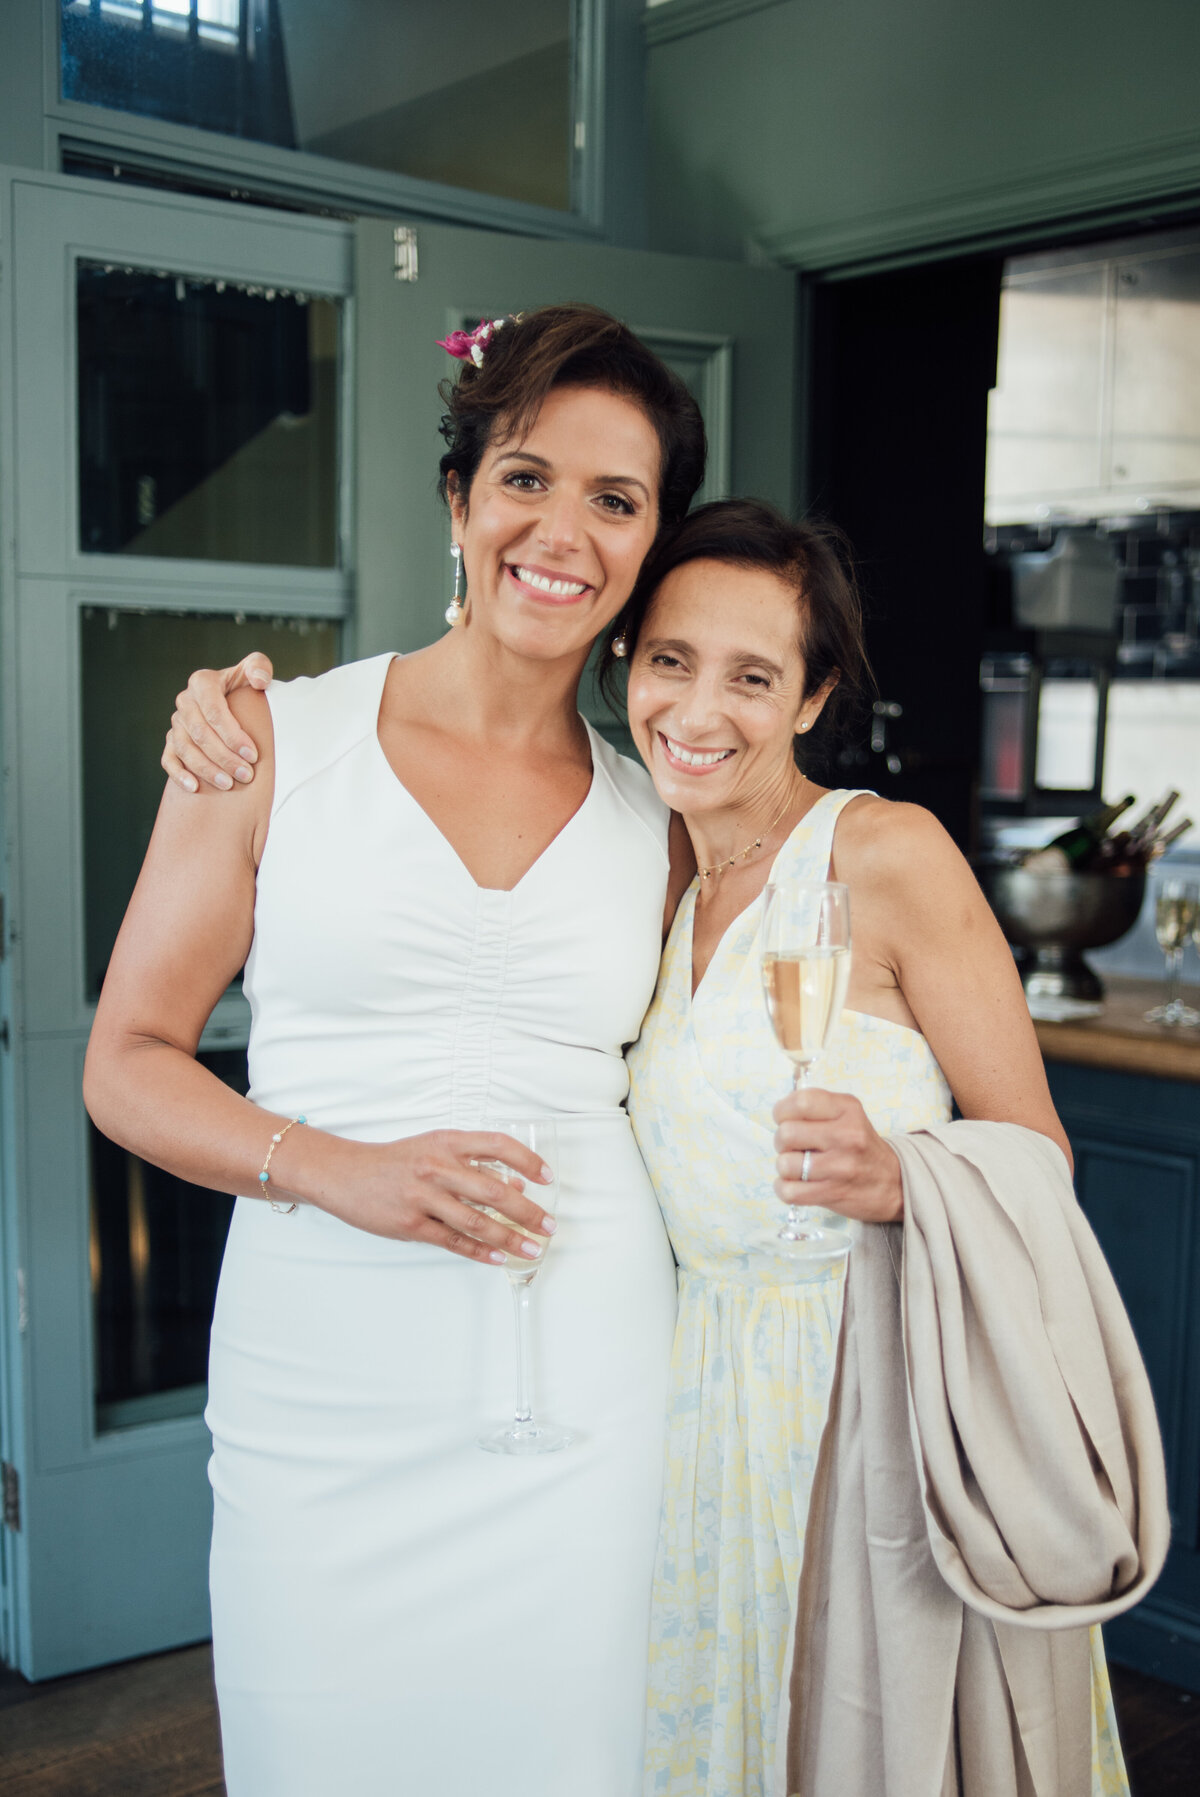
<point>252,711</point>
<point>884,840</point>
<point>211,819</point>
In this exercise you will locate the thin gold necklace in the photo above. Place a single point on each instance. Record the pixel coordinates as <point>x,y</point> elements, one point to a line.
<point>706,873</point>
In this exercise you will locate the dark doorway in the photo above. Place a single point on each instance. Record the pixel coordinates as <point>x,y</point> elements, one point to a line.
<point>902,366</point>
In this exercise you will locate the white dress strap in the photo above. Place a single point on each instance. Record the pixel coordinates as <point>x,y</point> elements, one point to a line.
<point>632,785</point>
<point>317,721</point>
<point>808,851</point>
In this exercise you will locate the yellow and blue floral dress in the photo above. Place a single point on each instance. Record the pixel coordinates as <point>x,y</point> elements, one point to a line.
<point>753,1358</point>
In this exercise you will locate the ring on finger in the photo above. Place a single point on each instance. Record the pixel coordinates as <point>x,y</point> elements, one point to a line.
<point>806,1165</point>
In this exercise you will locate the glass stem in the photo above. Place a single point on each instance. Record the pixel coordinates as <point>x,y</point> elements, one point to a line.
<point>522,1291</point>
<point>1174,973</point>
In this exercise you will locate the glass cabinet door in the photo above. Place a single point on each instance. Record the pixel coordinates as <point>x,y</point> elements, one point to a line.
<point>178,420</point>
<point>208,418</point>
<point>155,1242</point>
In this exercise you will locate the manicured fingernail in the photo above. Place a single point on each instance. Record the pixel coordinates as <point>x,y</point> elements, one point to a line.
<point>243,774</point>
<point>223,781</point>
<point>549,1225</point>
<point>248,752</point>
<point>497,1258</point>
<point>187,783</point>
<point>547,1175</point>
<point>532,1249</point>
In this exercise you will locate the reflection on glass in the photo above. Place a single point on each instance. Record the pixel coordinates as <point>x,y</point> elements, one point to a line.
<point>1005,736</point>
<point>1044,420</point>
<point>480,97</point>
<point>155,1249</point>
<point>207,419</point>
<point>133,664</point>
<point>1156,374</point>
<point>1068,726</point>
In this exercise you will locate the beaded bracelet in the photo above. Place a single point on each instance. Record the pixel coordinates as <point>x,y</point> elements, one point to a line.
<point>284,1210</point>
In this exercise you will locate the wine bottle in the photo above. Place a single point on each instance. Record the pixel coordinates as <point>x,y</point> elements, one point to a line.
<point>1070,852</point>
<point>1164,842</point>
<point>1147,827</point>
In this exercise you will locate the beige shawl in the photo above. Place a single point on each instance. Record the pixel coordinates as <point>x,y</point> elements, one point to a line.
<point>990,1484</point>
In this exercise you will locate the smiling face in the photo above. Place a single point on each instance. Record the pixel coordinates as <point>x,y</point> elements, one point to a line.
<point>557,524</point>
<point>716,688</point>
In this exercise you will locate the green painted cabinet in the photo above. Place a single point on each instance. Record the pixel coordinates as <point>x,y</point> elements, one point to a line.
<point>1137,1171</point>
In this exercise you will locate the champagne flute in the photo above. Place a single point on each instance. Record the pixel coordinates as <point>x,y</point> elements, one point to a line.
<point>525,1435</point>
<point>1176,912</point>
<point>805,973</point>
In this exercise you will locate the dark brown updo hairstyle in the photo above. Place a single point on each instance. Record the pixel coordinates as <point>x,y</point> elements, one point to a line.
<point>573,345</point>
<point>813,559</point>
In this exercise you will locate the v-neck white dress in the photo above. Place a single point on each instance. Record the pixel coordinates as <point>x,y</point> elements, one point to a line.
<point>394,1610</point>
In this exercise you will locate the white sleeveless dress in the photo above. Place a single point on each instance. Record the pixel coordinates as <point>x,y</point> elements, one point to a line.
<point>394,1610</point>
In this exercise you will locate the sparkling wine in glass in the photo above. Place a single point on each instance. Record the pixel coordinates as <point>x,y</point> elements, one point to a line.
<point>525,1435</point>
<point>1176,914</point>
<point>805,973</point>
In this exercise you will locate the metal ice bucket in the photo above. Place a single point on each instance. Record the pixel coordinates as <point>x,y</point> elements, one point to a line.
<point>1051,918</point>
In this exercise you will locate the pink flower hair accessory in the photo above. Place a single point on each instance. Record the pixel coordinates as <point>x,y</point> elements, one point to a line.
<point>468,346</point>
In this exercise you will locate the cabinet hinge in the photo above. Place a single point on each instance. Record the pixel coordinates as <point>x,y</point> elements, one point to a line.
<point>12,1496</point>
<point>404,266</point>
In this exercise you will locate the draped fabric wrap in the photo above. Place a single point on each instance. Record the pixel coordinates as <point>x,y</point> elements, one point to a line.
<point>990,1487</point>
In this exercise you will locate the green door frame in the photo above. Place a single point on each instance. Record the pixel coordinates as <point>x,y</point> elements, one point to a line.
<point>101,1514</point>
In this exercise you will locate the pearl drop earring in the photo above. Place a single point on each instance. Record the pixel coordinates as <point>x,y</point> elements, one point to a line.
<point>454,611</point>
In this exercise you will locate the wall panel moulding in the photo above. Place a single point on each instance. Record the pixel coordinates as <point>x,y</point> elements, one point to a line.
<point>1163,172</point>
<point>668,19</point>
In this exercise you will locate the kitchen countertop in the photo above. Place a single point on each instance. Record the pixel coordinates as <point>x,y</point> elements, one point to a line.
<point>1121,1039</point>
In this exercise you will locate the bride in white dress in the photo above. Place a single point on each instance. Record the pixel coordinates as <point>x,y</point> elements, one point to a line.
<point>448,894</point>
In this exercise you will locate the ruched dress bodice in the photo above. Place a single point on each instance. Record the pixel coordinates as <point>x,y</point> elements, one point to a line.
<point>521,1002</point>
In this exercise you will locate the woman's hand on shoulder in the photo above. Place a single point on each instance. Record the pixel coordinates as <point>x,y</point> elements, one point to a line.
<point>207,741</point>
<point>851,1167</point>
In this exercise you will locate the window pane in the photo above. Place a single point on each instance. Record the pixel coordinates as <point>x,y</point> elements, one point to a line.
<point>479,96</point>
<point>155,1251</point>
<point>207,419</point>
<point>133,664</point>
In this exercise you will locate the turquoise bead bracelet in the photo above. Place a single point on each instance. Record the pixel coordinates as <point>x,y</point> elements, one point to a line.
<point>264,1177</point>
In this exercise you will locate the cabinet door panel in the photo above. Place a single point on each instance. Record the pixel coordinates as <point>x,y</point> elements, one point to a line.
<point>1156,374</point>
<point>1046,414</point>
<point>1141,1203</point>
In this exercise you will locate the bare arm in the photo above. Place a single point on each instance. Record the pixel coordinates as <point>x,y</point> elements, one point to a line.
<point>186,933</point>
<point>952,964</point>
<point>927,919</point>
<point>207,742</point>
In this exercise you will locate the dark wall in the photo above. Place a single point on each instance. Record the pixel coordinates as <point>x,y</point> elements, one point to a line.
<point>902,367</point>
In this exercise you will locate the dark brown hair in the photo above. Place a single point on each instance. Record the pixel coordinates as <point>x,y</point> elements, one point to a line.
<point>572,345</point>
<point>814,559</point>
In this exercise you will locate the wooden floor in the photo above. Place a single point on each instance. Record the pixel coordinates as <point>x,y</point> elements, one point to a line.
<point>149,1729</point>
<point>145,1729</point>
